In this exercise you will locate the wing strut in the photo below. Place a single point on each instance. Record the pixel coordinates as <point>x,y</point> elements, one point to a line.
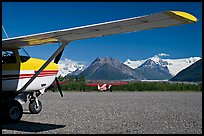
<point>63,44</point>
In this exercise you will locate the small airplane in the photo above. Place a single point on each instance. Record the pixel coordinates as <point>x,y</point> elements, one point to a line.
<point>106,87</point>
<point>25,78</point>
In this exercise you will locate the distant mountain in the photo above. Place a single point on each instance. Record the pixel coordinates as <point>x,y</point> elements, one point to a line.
<point>154,69</point>
<point>112,69</point>
<point>134,64</point>
<point>193,73</point>
<point>108,69</point>
<point>71,67</point>
<point>174,65</point>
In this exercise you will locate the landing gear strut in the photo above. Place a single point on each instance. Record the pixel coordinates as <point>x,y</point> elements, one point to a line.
<point>35,105</point>
<point>11,105</point>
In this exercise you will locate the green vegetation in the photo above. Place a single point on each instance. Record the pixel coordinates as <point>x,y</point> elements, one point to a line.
<point>132,86</point>
<point>158,86</point>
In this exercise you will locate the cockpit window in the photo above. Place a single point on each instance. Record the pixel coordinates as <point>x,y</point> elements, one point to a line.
<point>8,57</point>
<point>24,56</point>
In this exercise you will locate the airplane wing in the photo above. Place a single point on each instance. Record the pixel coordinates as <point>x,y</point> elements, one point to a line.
<point>118,83</point>
<point>158,20</point>
<point>113,84</point>
<point>94,84</point>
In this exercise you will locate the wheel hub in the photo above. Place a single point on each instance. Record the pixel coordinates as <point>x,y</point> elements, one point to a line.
<point>14,112</point>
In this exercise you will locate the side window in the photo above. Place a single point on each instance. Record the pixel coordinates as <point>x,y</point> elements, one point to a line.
<point>23,55</point>
<point>8,57</point>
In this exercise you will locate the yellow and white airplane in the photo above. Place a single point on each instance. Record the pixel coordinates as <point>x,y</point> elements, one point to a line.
<point>25,78</point>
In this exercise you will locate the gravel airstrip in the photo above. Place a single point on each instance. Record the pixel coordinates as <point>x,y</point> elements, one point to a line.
<point>113,113</point>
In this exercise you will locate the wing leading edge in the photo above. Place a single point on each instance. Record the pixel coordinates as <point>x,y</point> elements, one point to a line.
<point>158,20</point>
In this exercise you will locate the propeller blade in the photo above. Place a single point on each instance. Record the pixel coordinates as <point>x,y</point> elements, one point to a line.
<point>57,58</point>
<point>58,86</point>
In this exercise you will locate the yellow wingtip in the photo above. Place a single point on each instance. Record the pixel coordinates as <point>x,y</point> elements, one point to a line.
<point>182,16</point>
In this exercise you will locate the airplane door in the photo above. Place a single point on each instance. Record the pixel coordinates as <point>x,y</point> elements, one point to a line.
<point>10,70</point>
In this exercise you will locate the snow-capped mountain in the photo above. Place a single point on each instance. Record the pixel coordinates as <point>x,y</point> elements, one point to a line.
<point>134,64</point>
<point>174,65</point>
<point>69,66</point>
<point>193,73</point>
<point>154,68</point>
<point>108,69</point>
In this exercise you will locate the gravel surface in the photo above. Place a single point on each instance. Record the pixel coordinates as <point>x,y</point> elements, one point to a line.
<point>113,112</point>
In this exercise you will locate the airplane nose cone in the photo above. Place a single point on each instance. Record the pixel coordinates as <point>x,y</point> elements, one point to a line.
<point>36,64</point>
<point>53,66</point>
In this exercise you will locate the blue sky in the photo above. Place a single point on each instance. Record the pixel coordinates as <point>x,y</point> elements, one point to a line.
<point>23,18</point>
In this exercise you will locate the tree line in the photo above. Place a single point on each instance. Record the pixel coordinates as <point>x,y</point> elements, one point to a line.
<point>78,84</point>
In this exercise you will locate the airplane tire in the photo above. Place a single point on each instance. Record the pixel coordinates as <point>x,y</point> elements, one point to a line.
<point>33,107</point>
<point>13,111</point>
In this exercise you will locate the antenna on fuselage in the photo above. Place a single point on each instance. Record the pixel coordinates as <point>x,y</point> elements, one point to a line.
<point>5,31</point>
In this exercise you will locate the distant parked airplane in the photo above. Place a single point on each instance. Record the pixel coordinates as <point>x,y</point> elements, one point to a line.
<point>106,87</point>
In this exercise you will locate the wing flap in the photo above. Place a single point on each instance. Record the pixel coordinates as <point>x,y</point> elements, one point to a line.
<point>159,20</point>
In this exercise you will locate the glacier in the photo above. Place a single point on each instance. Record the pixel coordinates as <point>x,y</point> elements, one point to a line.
<point>174,65</point>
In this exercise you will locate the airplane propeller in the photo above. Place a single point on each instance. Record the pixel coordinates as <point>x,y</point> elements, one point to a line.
<point>58,86</point>
<point>57,58</point>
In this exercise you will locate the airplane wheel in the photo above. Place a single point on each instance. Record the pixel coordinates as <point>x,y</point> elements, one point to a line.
<point>13,111</point>
<point>33,108</point>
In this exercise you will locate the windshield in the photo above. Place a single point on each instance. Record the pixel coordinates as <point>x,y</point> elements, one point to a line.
<point>24,56</point>
<point>8,57</point>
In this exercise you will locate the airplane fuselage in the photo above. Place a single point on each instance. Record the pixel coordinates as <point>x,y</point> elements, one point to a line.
<point>104,87</point>
<point>17,70</point>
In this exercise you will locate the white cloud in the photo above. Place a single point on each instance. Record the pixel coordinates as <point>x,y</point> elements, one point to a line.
<point>163,54</point>
<point>67,60</point>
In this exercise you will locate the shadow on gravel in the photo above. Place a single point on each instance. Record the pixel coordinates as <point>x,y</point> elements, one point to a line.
<point>31,126</point>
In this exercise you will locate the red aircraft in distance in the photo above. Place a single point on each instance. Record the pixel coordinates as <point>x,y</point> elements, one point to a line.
<point>106,87</point>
